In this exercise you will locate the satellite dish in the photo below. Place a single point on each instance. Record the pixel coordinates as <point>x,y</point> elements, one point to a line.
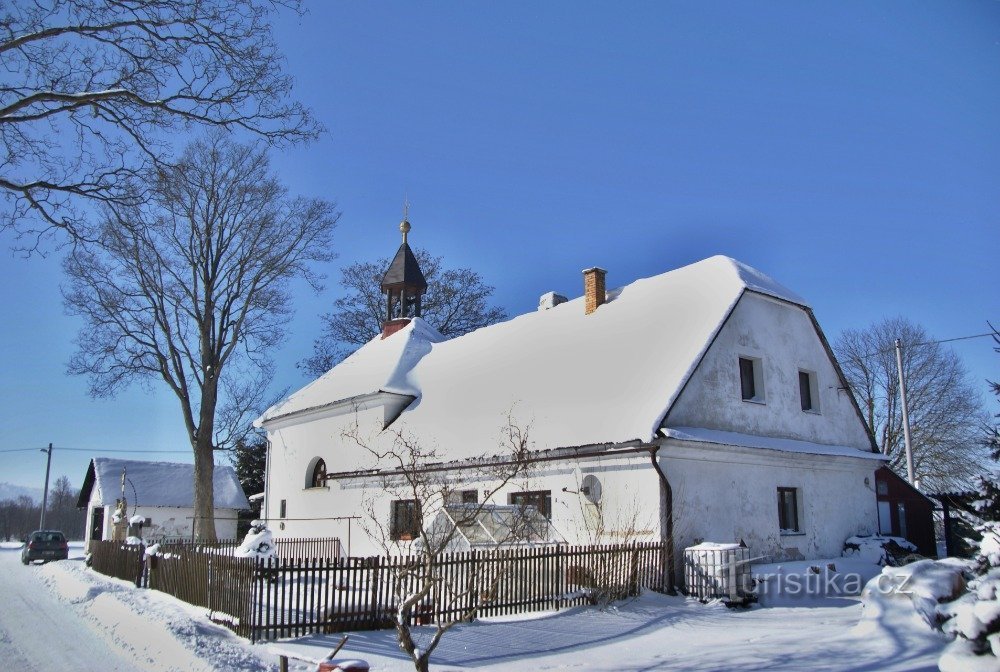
<point>591,488</point>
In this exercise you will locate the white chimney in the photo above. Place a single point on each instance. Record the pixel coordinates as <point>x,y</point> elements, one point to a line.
<point>550,300</point>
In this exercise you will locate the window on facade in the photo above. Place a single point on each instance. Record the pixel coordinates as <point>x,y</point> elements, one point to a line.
<point>318,478</point>
<point>463,497</point>
<point>901,514</point>
<point>405,522</point>
<point>882,487</point>
<point>751,379</point>
<point>540,499</point>
<point>808,391</point>
<point>788,510</point>
<point>282,509</point>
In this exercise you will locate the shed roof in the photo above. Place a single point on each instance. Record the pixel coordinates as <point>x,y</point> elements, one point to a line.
<point>157,484</point>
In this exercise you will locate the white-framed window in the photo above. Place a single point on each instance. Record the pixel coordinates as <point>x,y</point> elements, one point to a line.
<point>752,379</point>
<point>788,511</point>
<point>808,391</point>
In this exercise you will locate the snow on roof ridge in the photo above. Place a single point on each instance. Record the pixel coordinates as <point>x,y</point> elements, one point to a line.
<point>758,281</point>
<point>381,364</point>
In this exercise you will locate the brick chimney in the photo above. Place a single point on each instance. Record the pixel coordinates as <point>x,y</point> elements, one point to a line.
<point>593,289</point>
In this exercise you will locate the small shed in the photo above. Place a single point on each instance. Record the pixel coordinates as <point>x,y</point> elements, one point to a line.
<point>468,527</point>
<point>904,511</point>
<point>162,493</point>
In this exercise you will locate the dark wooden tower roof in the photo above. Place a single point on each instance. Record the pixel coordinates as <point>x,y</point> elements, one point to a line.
<point>404,270</point>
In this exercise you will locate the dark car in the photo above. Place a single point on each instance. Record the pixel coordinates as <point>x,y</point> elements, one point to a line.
<point>45,545</point>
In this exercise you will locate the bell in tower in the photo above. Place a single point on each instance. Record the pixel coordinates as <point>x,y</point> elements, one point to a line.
<point>403,285</point>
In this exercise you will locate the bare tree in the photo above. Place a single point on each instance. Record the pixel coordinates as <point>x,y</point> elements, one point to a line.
<point>92,89</point>
<point>456,303</point>
<point>424,491</point>
<point>192,290</point>
<point>946,411</point>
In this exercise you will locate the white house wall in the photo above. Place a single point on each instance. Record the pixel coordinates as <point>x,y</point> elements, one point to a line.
<point>728,494</point>
<point>293,449</point>
<point>783,337</point>
<point>630,503</point>
<point>165,521</point>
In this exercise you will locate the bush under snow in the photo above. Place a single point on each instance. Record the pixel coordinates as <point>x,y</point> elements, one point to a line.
<point>879,550</point>
<point>961,598</point>
<point>259,542</point>
<point>974,618</point>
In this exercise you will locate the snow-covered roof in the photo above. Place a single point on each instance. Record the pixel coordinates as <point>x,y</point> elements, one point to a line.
<point>158,484</point>
<point>575,379</point>
<point>702,435</point>
<point>381,365</point>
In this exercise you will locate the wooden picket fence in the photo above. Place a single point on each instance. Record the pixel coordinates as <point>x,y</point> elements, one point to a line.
<point>284,547</point>
<point>286,597</point>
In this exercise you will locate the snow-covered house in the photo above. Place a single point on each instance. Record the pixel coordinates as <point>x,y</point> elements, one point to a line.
<point>162,493</point>
<point>703,403</point>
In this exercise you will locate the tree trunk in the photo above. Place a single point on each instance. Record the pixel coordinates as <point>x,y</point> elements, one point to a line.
<point>204,465</point>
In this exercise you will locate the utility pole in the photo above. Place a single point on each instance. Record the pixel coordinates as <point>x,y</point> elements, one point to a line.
<point>906,413</point>
<point>45,493</point>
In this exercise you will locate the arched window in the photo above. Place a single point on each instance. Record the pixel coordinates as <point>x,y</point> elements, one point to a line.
<point>317,474</point>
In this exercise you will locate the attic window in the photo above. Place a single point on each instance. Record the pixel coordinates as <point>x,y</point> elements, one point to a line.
<point>808,391</point>
<point>751,379</point>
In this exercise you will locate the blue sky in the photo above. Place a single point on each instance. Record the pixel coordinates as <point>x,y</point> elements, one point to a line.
<point>851,150</point>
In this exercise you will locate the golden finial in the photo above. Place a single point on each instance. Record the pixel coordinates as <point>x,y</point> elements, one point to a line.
<point>404,226</point>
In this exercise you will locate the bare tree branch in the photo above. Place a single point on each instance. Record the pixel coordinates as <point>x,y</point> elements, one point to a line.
<point>94,88</point>
<point>946,412</point>
<point>430,491</point>
<point>456,302</point>
<point>192,289</point>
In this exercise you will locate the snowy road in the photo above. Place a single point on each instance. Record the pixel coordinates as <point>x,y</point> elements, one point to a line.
<point>40,633</point>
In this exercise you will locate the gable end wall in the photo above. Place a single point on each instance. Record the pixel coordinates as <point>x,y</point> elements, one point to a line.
<point>785,339</point>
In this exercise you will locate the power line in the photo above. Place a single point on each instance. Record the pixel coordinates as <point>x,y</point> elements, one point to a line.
<point>892,348</point>
<point>957,338</point>
<point>95,450</point>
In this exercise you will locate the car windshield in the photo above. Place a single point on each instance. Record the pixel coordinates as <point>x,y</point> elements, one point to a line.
<point>47,536</point>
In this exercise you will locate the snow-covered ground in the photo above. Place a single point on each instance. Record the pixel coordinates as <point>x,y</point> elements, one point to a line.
<point>143,629</point>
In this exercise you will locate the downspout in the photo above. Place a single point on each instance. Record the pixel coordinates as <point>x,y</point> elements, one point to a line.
<point>669,495</point>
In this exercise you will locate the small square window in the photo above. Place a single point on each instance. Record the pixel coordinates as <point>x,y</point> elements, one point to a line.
<point>808,391</point>
<point>788,510</point>
<point>751,379</point>
<point>462,497</point>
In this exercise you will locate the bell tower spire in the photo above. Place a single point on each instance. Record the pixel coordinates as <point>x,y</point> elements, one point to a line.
<point>403,284</point>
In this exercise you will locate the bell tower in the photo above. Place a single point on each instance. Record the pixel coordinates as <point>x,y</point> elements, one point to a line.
<point>403,285</point>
